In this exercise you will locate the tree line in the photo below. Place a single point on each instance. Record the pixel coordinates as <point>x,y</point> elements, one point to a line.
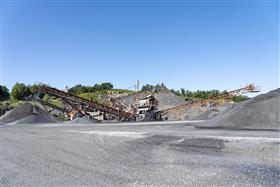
<point>190,95</point>
<point>199,94</point>
<point>20,91</point>
<point>153,88</point>
<point>79,89</point>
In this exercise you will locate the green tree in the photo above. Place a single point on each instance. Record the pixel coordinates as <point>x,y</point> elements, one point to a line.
<point>178,93</point>
<point>183,92</point>
<point>20,91</point>
<point>107,86</point>
<point>78,89</point>
<point>213,93</point>
<point>4,93</point>
<point>152,88</point>
<point>159,87</point>
<point>148,87</point>
<point>96,87</point>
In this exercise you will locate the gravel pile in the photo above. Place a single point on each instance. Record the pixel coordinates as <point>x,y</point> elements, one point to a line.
<point>27,113</point>
<point>167,99</point>
<point>261,112</point>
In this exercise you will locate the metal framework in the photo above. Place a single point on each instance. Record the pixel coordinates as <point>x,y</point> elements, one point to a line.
<point>81,104</point>
<point>128,102</point>
<point>247,89</point>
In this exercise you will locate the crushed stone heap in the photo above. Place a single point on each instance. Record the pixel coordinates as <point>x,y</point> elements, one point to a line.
<point>260,112</point>
<point>27,113</point>
<point>166,99</point>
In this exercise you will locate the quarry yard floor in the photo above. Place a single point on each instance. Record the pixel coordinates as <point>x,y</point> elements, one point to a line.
<point>137,154</point>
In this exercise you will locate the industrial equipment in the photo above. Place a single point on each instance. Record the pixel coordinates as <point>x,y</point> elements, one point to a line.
<point>82,105</point>
<point>251,88</point>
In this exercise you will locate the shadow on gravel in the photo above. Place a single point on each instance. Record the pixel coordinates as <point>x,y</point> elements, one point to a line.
<point>199,146</point>
<point>204,146</point>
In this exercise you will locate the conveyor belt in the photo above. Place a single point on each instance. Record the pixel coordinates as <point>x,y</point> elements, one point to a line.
<point>89,105</point>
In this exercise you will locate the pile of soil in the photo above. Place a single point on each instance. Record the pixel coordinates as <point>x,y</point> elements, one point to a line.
<point>167,99</point>
<point>27,113</point>
<point>260,112</point>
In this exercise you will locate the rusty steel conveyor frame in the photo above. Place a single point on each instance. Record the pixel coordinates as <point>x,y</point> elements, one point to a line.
<point>73,99</point>
<point>247,89</point>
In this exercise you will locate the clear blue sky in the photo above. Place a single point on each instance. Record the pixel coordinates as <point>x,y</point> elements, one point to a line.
<point>202,45</point>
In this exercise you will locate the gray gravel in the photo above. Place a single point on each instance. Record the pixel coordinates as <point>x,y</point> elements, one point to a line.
<point>166,99</point>
<point>27,113</point>
<point>136,154</point>
<point>19,112</point>
<point>260,112</point>
<point>197,113</point>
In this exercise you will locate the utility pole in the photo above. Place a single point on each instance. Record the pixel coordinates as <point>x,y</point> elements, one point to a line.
<point>138,84</point>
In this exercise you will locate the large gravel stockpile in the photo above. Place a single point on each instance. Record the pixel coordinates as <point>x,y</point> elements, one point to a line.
<point>17,113</point>
<point>27,113</point>
<point>167,99</point>
<point>261,112</point>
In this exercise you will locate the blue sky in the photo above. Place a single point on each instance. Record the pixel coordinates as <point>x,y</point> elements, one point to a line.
<point>184,44</point>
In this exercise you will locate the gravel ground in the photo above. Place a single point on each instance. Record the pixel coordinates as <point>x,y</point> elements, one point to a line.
<point>137,154</point>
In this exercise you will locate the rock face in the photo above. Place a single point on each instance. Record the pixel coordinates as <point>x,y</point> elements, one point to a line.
<point>27,113</point>
<point>260,112</point>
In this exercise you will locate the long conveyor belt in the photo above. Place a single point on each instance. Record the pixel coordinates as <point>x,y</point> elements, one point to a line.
<point>90,105</point>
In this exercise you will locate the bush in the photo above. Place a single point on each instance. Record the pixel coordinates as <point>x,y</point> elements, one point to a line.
<point>20,91</point>
<point>239,98</point>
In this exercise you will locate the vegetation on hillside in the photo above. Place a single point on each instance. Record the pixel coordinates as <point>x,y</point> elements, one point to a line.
<point>192,95</point>
<point>79,89</point>
<point>53,100</point>
<point>4,93</point>
<point>90,96</point>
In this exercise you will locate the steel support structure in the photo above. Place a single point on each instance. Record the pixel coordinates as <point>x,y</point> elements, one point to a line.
<point>84,104</point>
<point>247,89</point>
